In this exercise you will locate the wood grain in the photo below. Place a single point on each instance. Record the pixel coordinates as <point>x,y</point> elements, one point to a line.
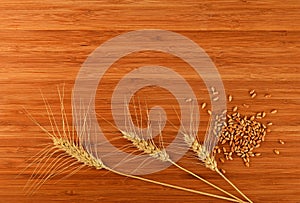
<point>254,45</point>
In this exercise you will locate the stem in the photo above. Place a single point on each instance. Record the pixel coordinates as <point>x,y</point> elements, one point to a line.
<point>224,177</point>
<point>205,181</point>
<point>171,186</point>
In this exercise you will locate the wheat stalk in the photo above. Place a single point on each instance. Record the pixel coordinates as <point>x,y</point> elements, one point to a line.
<point>205,156</point>
<point>210,162</point>
<point>67,151</point>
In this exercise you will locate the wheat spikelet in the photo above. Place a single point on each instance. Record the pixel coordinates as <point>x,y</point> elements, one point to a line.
<point>148,147</point>
<point>204,156</point>
<point>67,151</point>
<point>78,152</point>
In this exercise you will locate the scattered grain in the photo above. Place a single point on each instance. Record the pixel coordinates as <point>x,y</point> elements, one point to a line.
<point>209,112</point>
<point>215,98</point>
<point>253,95</point>
<point>222,160</point>
<point>259,115</point>
<point>268,95</point>
<point>188,100</point>
<point>276,151</point>
<point>252,92</point>
<point>213,89</point>
<point>223,171</point>
<point>281,141</point>
<point>244,134</point>
<point>203,105</point>
<point>246,106</point>
<point>273,111</point>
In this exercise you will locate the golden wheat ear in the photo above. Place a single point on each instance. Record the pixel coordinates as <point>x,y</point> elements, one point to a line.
<point>190,138</point>
<point>62,155</point>
<point>204,155</point>
<point>210,162</point>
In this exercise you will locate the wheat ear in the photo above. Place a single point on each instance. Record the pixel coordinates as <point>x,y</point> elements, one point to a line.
<point>203,152</point>
<point>210,162</point>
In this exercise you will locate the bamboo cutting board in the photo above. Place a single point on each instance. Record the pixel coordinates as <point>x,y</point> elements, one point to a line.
<point>254,45</point>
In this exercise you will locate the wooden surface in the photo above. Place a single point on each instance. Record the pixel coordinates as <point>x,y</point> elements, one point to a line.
<point>254,44</point>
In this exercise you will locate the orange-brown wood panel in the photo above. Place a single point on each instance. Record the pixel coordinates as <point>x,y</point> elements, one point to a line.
<point>254,45</point>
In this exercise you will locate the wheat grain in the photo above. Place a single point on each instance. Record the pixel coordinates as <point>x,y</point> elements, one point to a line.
<point>246,106</point>
<point>273,111</point>
<point>268,95</point>
<point>253,95</point>
<point>276,151</point>
<point>189,100</point>
<point>251,91</point>
<point>213,89</point>
<point>215,99</point>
